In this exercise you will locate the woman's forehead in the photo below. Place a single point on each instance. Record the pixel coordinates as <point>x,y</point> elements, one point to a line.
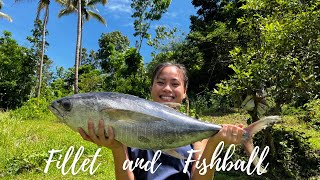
<point>171,72</point>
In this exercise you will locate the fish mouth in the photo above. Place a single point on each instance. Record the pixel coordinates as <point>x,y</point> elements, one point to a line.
<point>55,111</point>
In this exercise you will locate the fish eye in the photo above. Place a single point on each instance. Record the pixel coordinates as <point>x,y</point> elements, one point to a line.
<point>66,104</point>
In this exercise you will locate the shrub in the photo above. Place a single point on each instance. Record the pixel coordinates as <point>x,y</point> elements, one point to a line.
<point>294,157</point>
<point>34,108</point>
<point>313,113</point>
<point>291,110</point>
<point>210,104</point>
<point>199,104</point>
<point>192,112</point>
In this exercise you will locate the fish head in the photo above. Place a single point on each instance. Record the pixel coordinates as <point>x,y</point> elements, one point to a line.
<point>76,110</point>
<point>62,108</point>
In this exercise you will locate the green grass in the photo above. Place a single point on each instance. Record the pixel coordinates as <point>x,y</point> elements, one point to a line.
<point>24,143</point>
<point>28,142</point>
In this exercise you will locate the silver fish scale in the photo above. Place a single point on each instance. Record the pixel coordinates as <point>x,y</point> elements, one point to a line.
<point>136,122</point>
<point>156,136</point>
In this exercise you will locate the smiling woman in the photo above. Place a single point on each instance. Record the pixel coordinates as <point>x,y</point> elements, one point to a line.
<point>169,83</point>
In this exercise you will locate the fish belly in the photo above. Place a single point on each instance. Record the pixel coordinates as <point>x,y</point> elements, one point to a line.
<point>156,136</point>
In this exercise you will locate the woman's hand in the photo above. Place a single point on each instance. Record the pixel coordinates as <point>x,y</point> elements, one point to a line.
<point>100,139</point>
<point>230,134</point>
<point>119,150</point>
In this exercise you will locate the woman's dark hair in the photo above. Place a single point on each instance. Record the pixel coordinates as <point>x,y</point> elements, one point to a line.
<point>160,67</point>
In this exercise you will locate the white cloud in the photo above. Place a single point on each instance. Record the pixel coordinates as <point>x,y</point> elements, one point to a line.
<point>119,6</point>
<point>171,14</point>
<point>129,24</point>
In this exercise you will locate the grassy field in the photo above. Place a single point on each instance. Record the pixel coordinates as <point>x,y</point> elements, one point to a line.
<point>24,146</point>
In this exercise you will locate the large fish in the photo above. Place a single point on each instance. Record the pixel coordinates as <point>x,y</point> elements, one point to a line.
<point>141,123</point>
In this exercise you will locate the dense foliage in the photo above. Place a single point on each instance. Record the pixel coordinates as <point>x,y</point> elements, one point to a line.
<point>283,59</point>
<point>17,70</point>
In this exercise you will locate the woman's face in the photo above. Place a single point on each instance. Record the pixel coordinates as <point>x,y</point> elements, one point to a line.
<point>169,85</point>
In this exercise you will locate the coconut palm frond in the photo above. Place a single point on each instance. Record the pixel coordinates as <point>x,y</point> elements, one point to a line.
<point>3,15</point>
<point>94,2</point>
<point>88,9</point>
<point>6,16</point>
<point>72,3</point>
<point>65,12</point>
<point>86,15</point>
<point>67,3</point>
<point>43,5</point>
<point>98,17</point>
<point>62,2</point>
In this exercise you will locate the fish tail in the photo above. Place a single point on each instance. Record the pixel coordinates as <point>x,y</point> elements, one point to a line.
<point>251,130</point>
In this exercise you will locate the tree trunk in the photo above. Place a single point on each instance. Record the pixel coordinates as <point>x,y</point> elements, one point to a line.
<point>77,56</point>
<point>80,53</point>
<point>139,44</point>
<point>42,50</point>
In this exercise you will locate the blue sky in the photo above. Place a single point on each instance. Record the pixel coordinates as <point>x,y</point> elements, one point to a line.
<point>62,31</point>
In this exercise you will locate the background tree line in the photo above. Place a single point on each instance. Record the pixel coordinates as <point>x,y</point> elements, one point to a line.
<point>267,50</point>
<point>234,48</point>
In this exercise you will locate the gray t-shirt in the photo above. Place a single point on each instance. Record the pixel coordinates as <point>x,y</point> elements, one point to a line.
<point>171,168</point>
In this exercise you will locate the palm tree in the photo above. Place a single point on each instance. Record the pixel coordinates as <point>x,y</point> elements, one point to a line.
<point>3,15</point>
<point>84,13</point>
<point>43,5</point>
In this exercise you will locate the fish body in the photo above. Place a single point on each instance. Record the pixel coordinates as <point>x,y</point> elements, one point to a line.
<point>144,124</point>
<point>136,122</point>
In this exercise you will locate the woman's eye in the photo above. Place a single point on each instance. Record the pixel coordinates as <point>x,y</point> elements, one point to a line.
<point>175,85</point>
<point>160,83</point>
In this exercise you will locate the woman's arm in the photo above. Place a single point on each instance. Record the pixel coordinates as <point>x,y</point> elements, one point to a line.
<point>119,156</point>
<point>197,146</point>
<point>230,134</point>
<point>119,150</point>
